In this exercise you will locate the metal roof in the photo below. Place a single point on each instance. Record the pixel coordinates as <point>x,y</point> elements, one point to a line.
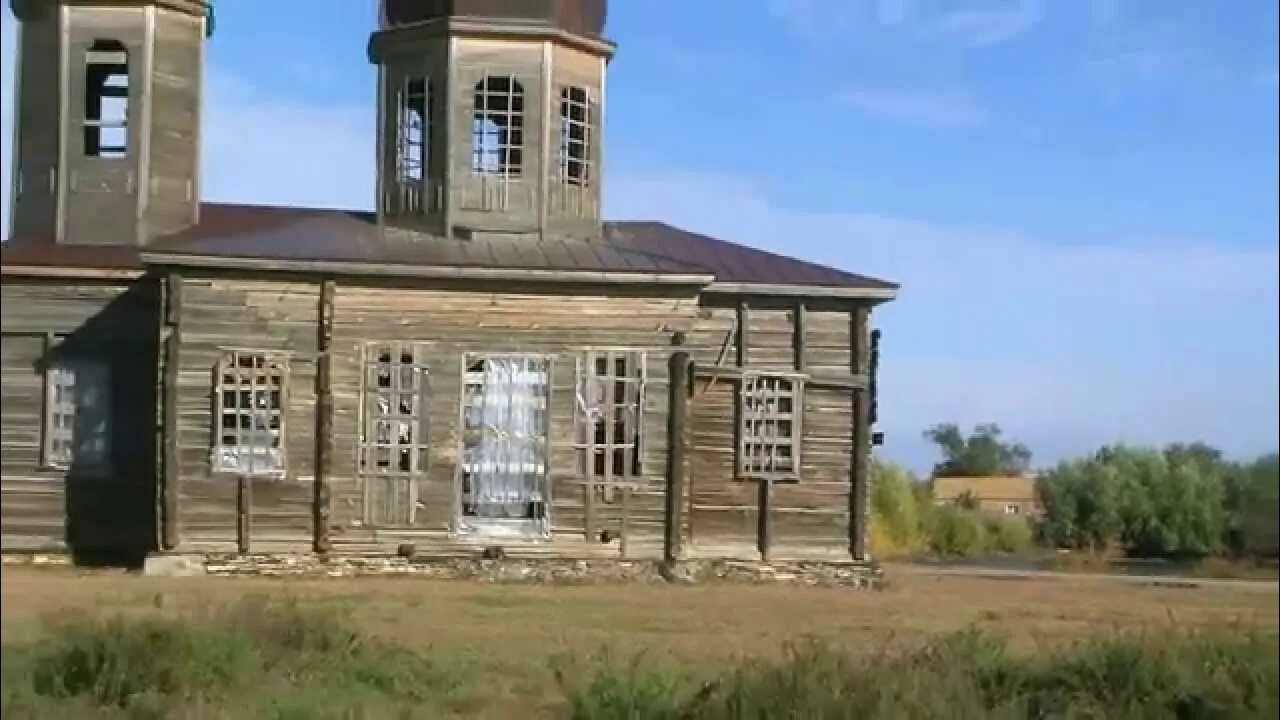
<point>283,235</point>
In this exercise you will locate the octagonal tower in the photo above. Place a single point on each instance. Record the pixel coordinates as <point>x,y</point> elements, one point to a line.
<point>490,116</point>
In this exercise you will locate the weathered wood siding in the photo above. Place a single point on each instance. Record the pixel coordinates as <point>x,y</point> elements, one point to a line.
<point>273,315</point>
<point>72,509</point>
<point>263,315</point>
<point>809,518</point>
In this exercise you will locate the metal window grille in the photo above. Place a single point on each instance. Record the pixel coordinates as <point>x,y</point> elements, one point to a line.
<point>769,432</point>
<point>393,441</point>
<point>497,130</point>
<point>77,423</point>
<point>251,401</point>
<point>106,101</point>
<point>609,417</point>
<point>504,443</point>
<point>575,136</point>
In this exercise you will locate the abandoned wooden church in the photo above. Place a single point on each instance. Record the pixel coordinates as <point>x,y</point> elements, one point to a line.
<point>480,363</point>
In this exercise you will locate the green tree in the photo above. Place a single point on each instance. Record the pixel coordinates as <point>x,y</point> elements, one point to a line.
<point>1154,503</point>
<point>982,453</point>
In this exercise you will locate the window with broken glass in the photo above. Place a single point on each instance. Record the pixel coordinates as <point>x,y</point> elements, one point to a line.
<point>412,141</point>
<point>77,419</point>
<point>770,408</point>
<point>504,444</point>
<point>251,401</point>
<point>609,418</point>
<point>393,440</point>
<point>575,136</point>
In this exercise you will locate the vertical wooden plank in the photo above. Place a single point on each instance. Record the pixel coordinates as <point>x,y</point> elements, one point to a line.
<point>798,336</point>
<point>743,333</point>
<point>47,406</point>
<point>860,470</point>
<point>764,518</point>
<point>244,501</point>
<point>626,522</point>
<point>589,486</point>
<point>679,373</point>
<point>324,420</point>
<point>171,528</point>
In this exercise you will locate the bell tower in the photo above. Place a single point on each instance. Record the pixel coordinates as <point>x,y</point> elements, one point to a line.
<point>490,116</point>
<point>108,119</point>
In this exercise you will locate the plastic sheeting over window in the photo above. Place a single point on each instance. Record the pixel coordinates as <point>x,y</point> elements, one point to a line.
<point>78,417</point>
<point>504,444</point>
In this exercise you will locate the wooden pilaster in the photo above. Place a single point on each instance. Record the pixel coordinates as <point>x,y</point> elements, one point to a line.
<point>324,420</point>
<point>680,373</point>
<point>171,535</point>
<point>860,462</point>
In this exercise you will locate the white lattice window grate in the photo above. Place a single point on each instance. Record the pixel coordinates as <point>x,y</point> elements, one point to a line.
<point>251,390</point>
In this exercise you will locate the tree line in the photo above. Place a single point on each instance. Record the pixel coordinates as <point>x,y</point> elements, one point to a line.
<point>1179,501</point>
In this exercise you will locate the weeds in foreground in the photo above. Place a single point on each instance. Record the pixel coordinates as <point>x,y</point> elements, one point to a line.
<point>275,659</point>
<point>965,675</point>
<point>261,658</point>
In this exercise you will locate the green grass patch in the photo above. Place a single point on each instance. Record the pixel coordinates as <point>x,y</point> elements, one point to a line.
<point>276,659</point>
<point>965,675</point>
<point>261,658</point>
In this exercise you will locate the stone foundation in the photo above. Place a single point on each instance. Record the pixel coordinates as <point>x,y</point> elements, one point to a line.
<point>504,570</point>
<point>550,571</point>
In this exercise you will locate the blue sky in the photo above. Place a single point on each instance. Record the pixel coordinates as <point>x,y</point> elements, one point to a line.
<point>1078,197</point>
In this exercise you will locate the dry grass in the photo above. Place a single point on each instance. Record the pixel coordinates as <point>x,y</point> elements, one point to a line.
<point>510,632</point>
<point>525,623</point>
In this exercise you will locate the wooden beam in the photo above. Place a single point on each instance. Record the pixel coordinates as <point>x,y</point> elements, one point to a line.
<point>626,522</point>
<point>679,374</point>
<point>798,335</point>
<point>836,381</point>
<point>860,462</point>
<point>244,512</point>
<point>743,333</point>
<point>171,533</point>
<point>324,420</point>
<point>765,519</point>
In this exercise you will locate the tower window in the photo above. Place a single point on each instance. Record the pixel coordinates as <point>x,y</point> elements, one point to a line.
<point>575,136</point>
<point>411,133</point>
<point>106,100</point>
<point>497,130</point>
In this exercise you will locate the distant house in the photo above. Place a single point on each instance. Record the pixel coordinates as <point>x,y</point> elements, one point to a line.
<point>1010,495</point>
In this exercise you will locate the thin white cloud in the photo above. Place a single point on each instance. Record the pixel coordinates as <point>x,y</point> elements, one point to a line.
<point>1068,346</point>
<point>1004,21</point>
<point>927,108</point>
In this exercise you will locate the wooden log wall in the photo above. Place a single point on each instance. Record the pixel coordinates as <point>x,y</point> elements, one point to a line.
<point>43,508</point>
<point>809,518</point>
<point>302,317</point>
<point>268,315</point>
<point>505,321</point>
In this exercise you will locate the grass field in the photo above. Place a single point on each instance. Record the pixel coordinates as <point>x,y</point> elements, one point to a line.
<point>533,651</point>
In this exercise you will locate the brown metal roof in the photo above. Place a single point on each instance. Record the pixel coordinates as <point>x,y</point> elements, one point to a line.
<point>731,262</point>
<point>585,17</point>
<point>336,236</point>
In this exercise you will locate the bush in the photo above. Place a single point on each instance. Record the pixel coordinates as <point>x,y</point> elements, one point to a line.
<point>896,515</point>
<point>261,658</point>
<point>957,532</point>
<point>968,674</point>
<point>1009,535</point>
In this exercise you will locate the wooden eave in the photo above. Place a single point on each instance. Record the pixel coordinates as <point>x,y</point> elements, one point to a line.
<point>389,40</point>
<point>427,272</point>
